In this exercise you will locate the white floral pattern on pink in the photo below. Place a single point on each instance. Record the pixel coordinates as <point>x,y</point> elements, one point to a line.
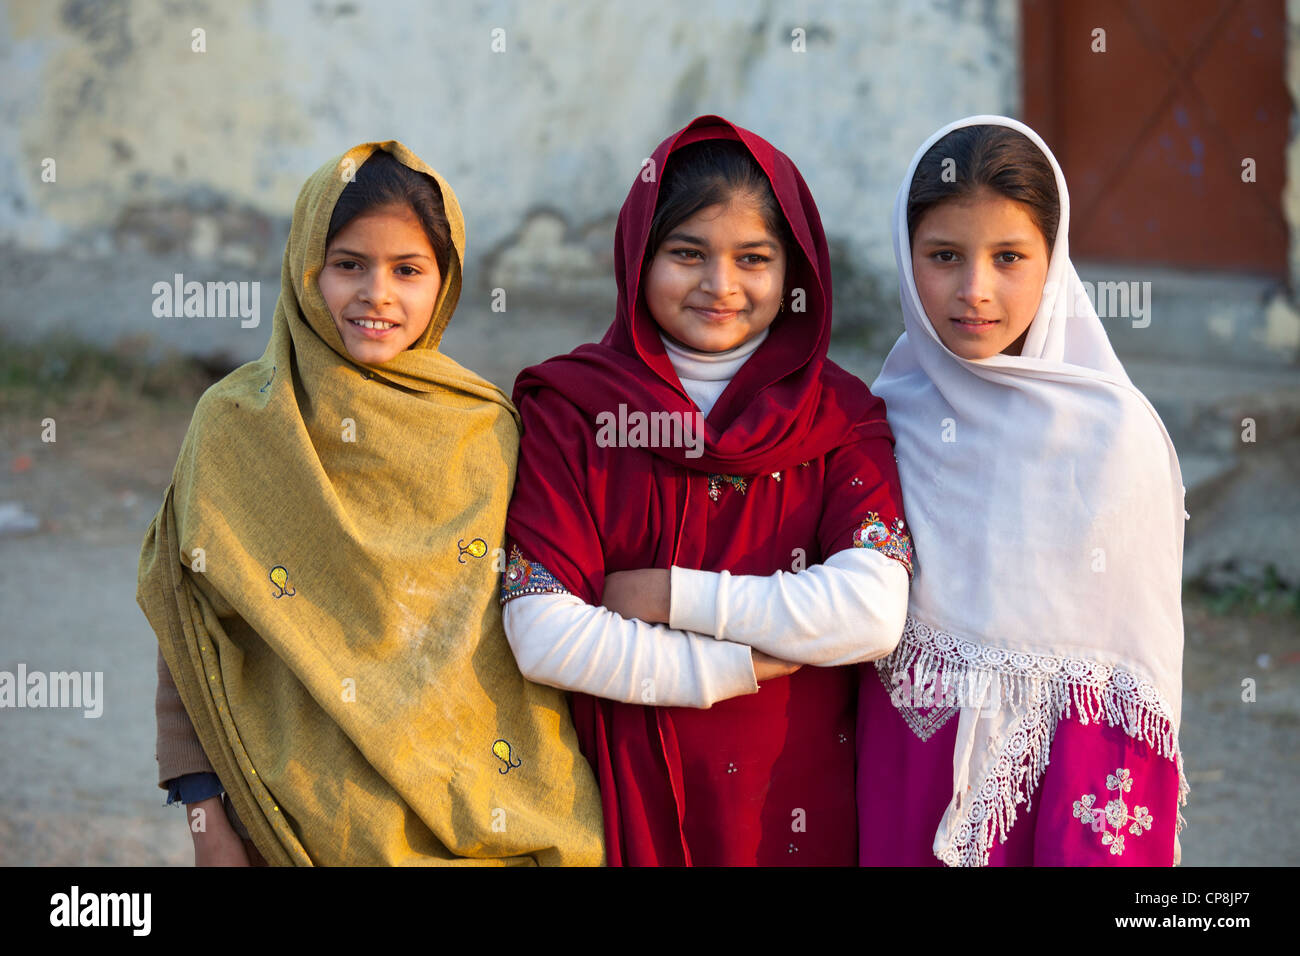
<point>1115,815</point>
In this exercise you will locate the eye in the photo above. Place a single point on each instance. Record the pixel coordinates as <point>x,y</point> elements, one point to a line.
<point>755,259</point>
<point>1014,257</point>
<point>414,271</point>
<point>685,252</point>
<point>944,255</point>
<point>346,264</point>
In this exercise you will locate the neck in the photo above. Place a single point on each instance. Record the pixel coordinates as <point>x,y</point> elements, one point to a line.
<point>709,366</point>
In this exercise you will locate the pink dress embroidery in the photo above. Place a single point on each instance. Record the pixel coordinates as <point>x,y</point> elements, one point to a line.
<point>905,784</point>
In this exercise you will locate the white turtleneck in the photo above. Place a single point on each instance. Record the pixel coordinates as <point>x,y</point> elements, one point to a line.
<point>849,609</point>
<point>705,375</point>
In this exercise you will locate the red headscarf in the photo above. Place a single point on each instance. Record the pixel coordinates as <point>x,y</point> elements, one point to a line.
<point>582,510</point>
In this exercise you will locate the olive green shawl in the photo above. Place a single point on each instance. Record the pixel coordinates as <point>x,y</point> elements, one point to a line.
<point>323,577</point>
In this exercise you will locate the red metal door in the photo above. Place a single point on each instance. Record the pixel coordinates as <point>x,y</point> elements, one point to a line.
<point>1152,133</point>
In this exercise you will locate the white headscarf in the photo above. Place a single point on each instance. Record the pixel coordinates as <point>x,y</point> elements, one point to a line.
<point>1045,503</point>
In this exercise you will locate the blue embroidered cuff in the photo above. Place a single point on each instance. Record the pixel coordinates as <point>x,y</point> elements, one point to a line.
<point>193,787</point>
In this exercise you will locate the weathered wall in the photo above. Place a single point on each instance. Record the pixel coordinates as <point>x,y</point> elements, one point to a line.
<point>174,157</point>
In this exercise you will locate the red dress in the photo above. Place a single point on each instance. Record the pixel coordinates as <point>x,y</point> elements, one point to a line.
<point>766,778</point>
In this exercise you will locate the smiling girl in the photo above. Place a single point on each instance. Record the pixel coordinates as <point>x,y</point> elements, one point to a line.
<point>331,652</point>
<point>663,586</point>
<point>1030,713</point>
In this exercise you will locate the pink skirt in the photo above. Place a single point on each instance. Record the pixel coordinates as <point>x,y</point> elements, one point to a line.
<point>905,785</point>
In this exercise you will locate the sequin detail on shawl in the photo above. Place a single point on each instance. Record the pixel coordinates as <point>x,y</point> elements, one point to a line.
<point>522,577</point>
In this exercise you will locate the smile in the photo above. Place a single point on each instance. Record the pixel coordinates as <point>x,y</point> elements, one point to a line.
<point>976,325</point>
<point>714,315</point>
<point>372,328</point>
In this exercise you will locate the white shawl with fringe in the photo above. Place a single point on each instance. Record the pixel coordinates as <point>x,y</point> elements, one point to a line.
<point>1045,502</point>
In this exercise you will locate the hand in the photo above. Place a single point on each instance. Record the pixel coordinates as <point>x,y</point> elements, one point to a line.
<point>645,594</point>
<point>767,667</point>
<point>217,844</point>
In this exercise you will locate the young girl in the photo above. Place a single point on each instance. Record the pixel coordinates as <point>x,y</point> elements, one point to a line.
<point>1029,716</point>
<point>730,497</point>
<point>320,575</point>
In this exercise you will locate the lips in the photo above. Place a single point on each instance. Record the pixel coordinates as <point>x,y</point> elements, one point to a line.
<point>372,327</point>
<point>973,323</point>
<point>715,315</point>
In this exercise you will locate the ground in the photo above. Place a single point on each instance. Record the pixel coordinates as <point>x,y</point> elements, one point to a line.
<point>77,790</point>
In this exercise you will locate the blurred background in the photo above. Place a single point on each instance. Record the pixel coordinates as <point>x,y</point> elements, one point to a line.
<point>150,138</point>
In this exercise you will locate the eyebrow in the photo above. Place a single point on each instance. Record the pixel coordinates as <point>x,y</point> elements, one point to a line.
<point>697,241</point>
<point>361,255</point>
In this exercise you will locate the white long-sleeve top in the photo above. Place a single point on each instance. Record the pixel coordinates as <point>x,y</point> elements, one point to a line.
<point>850,608</point>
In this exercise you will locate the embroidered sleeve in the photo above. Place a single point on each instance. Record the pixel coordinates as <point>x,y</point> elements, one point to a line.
<point>891,540</point>
<point>522,577</point>
<point>862,502</point>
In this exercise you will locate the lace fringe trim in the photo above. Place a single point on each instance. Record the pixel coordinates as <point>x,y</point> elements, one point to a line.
<point>953,671</point>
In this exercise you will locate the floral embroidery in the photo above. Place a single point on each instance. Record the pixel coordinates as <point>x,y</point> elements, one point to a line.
<point>716,482</point>
<point>890,540</point>
<point>1115,814</point>
<point>1047,688</point>
<point>527,577</point>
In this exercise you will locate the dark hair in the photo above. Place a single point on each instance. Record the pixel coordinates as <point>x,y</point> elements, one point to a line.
<point>998,157</point>
<point>705,174</point>
<point>382,180</point>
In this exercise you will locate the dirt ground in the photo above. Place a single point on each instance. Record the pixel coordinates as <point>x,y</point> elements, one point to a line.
<point>76,790</point>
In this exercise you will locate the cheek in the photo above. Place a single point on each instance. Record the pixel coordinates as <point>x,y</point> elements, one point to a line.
<point>929,286</point>
<point>661,288</point>
<point>1026,297</point>
<point>333,292</point>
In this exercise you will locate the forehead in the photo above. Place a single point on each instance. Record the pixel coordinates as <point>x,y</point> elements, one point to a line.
<point>982,213</point>
<point>740,218</point>
<point>383,225</point>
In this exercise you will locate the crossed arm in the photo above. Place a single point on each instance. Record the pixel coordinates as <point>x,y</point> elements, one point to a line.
<point>691,638</point>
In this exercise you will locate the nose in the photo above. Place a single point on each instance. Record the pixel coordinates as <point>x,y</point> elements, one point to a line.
<point>376,287</point>
<point>976,283</point>
<point>719,279</point>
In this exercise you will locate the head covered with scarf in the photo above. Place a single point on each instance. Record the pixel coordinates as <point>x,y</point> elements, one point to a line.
<point>1046,504</point>
<point>805,453</point>
<point>339,648</point>
<point>787,404</point>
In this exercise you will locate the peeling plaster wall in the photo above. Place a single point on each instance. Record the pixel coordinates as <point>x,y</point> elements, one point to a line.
<point>161,150</point>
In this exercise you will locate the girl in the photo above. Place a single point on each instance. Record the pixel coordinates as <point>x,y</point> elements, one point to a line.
<point>1030,713</point>
<point>320,575</point>
<point>764,533</point>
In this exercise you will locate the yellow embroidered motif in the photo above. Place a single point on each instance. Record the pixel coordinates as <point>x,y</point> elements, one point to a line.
<point>502,749</point>
<point>280,578</point>
<point>475,549</point>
